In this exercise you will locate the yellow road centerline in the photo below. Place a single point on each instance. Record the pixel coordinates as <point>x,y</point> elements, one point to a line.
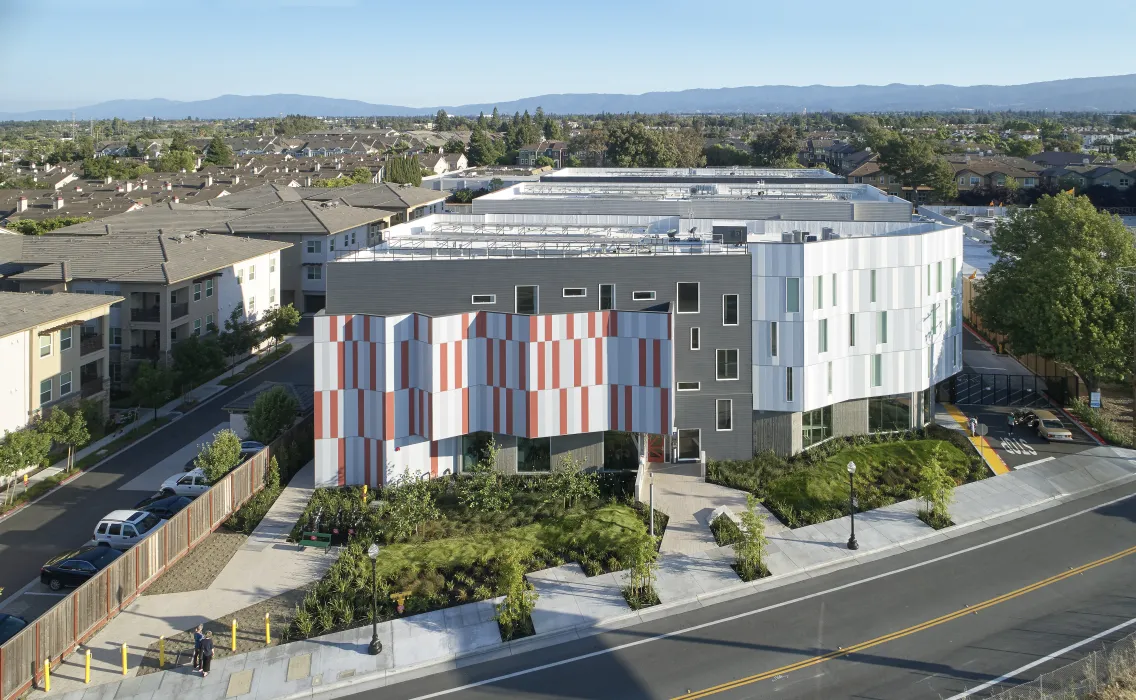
<point>812,661</point>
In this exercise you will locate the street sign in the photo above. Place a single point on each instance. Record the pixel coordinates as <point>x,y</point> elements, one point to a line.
<point>1095,399</point>
<point>983,429</point>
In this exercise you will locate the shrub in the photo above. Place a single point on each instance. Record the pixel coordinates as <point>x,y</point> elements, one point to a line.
<point>749,552</point>
<point>570,484</point>
<point>514,613</point>
<point>1101,425</point>
<point>725,530</point>
<point>409,503</point>
<point>220,456</point>
<point>644,564</point>
<point>481,488</point>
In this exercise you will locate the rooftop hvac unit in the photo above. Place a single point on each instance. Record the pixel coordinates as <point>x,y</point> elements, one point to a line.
<point>827,234</point>
<point>810,239</point>
<point>787,237</point>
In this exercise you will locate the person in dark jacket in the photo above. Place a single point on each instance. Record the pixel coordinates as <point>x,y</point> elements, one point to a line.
<point>206,653</point>
<point>197,637</point>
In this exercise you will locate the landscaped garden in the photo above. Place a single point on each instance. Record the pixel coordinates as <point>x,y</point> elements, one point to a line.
<point>813,487</point>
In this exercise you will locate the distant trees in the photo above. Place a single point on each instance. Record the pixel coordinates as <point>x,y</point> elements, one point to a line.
<point>454,146</point>
<point>482,149</point>
<point>916,164</point>
<point>296,124</point>
<point>174,161</point>
<point>103,166</point>
<point>441,121</point>
<point>1020,148</point>
<point>777,148</point>
<point>358,176</point>
<point>632,145</point>
<point>29,227</point>
<point>219,152</point>
<point>404,170</point>
<point>723,154</point>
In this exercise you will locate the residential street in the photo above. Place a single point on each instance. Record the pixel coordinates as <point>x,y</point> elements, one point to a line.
<point>831,613</point>
<point>66,518</point>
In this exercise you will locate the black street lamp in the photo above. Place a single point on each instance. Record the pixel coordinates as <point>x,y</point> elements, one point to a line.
<point>852,543</point>
<point>376,646</point>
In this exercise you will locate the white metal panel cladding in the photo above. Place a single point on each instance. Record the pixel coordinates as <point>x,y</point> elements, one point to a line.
<point>388,384</point>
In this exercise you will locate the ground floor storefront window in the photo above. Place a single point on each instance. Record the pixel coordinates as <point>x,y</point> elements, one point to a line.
<point>816,425</point>
<point>475,449</point>
<point>534,455</point>
<point>889,413</point>
<point>620,450</point>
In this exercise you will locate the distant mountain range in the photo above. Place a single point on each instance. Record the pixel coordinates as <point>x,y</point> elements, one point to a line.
<point>1104,94</point>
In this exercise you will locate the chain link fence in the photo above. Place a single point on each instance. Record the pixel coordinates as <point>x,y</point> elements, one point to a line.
<point>1106,674</point>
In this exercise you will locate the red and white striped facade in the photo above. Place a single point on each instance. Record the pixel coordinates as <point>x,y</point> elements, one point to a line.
<point>398,392</point>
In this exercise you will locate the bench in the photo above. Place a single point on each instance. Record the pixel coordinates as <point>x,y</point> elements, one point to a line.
<point>320,540</point>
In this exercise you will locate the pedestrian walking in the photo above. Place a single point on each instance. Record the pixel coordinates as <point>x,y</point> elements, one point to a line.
<point>197,639</point>
<point>1010,422</point>
<point>972,423</point>
<point>206,653</point>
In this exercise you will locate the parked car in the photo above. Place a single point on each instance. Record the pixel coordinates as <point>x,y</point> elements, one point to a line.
<point>122,529</point>
<point>249,448</point>
<point>10,625</point>
<point>166,506</point>
<point>1050,427</point>
<point>191,483</point>
<point>75,567</point>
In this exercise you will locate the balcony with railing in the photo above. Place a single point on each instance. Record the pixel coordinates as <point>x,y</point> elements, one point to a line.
<point>145,307</point>
<point>93,386</point>
<point>141,352</point>
<point>179,310</point>
<point>152,314</point>
<point>90,342</point>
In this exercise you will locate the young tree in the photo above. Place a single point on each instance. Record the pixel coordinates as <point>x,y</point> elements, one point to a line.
<point>219,152</point>
<point>514,613</point>
<point>273,412</point>
<point>404,170</point>
<point>1020,148</point>
<point>643,558</point>
<point>216,459</point>
<point>22,449</point>
<point>1057,287</point>
<point>480,488</point>
<point>410,503</point>
<point>178,141</point>
<point>67,428</point>
<point>174,161</point>
<point>240,336</point>
<point>441,121</point>
<point>936,487</point>
<point>545,162</point>
<point>777,148</point>
<point>151,386</point>
<point>195,361</point>
<point>570,483</point>
<point>279,321</point>
<point>749,553</point>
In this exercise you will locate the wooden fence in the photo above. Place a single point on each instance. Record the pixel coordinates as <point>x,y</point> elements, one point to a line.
<point>1038,365</point>
<point>76,618</point>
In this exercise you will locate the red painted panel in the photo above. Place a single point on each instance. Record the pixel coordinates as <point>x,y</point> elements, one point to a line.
<point>655,453</point>
<point>342,449</point>
<point>577,364</point>
<point>614,331</point>
<point>458,365</point>
<point>627,409</point>
<point>479,326</point>
<point>539,366</point>
<point>599,360</point>
<point>362,427</point>
<point>496,409</point>
<point>508,326</point>
<point>348,328</point>
<point>333,424</point>
<point>444,366</point>
<point>570,322</point>
<point>388,415</point>
<point>657,348</point>
<point>665,411</point>
<point>508,411</point>
<point>532,329</point>
<point>373,348</point>
<point>502,367</point>
<point>563,411</point>
<point>404,352</point>
<point>331,328</point>
<point>489,361</point>
<point>548,328</point>
<point>642,362</point>
<point>592,325</point>
<point>533,424</point>
<point>556,364</point>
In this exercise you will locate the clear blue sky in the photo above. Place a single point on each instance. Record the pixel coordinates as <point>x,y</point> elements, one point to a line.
<point>431,52</point>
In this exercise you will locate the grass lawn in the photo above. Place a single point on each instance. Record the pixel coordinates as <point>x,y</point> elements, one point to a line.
<point>811,489</point>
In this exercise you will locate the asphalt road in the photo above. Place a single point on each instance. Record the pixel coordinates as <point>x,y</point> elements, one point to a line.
<point>67,517</point>
<point>957,641</point>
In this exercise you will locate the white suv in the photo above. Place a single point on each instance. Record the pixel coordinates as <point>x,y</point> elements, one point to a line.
<point>122,529</point>
<point>191,483</point>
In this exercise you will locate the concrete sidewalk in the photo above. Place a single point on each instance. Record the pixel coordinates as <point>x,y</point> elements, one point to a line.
<point>265,566</point>
<point>573,606</point>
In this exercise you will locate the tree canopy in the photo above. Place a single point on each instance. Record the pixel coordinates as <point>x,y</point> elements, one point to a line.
<point>273,412</point>
<point>219,152</point>
<point>777,148</point>
<point>403,170</point>
<point>30,227</point>
<point>482,149</point>
<point>916,164</point>
<point>1057,289</point>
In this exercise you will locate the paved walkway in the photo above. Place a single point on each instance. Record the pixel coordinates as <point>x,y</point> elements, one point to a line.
<point>573,606</point>
<point>265,566</point>
<point>689,500</point>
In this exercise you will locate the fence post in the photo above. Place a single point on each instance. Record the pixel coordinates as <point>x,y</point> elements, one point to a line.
<point>47,675</point>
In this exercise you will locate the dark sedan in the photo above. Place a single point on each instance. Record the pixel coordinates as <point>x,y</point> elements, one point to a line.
<point>10,625</point>
<point>75,567</point>
<point>167,506</point>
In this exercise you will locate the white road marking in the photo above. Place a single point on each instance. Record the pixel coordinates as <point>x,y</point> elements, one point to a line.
<point>1032,664</point>
<point>1017,446</point>
<point>1033,463</point>
<point>44,593</point>
<point>767,608</point>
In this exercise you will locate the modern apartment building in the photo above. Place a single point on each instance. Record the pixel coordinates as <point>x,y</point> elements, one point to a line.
<point>694,335</point>
<point>55,351</point>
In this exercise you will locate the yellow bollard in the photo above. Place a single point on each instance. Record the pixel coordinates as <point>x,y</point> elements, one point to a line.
<point>87,667</point>
<point>162,651</point>
<point>267,631</point>
<point>234,647</point>
<point>124,659</point>
<point>47,675</point>
<point>364,493</point>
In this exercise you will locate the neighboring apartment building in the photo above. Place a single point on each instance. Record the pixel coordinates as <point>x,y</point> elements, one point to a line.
<point>559,338</point>
<point>55,351</point>
<point>173,283</point>
<point>1117,174</point>
<point>528,154</point>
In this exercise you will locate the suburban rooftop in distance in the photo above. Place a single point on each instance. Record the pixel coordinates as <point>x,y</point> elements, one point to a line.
<point>730,174</point>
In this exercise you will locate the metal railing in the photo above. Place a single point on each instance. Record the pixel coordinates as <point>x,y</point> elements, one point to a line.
<point>179,310</point>
<point>1102,669</point>
<point>150,315</point>
<point>77,617</point>
<point>93,386</point>
<point>138,352</point>
<point>90,343</point>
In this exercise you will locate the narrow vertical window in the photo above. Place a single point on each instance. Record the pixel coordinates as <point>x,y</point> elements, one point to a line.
<point>928,279</point>
<point>852,330</point>
<point>607,297</point>
<point>725,411</point>
<point>830,379</point>
<point>934,318</point>
<point>792,295</point>
<point>834,289</point>
<point>789,384</point>
<point>773,339</point>
<point>526,300</point>
<point>872,287</point>
<point>695,338</point>
<point>877,370</point>
<point>820,292</point>
<point>939,276</point>
<point>729,309</point>
<point>822,335</point>
<point>882,327</point>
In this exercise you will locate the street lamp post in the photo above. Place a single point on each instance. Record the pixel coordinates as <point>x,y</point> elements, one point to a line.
<point>376,646</point>
<point>852,543</point>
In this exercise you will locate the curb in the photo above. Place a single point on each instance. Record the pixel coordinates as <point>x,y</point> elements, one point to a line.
<point>155,431</point>
<point>1086,429</point>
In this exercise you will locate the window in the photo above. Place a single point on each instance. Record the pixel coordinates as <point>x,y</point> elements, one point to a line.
<point>352,238</point>
<point>962,179</point>
<point>882,327</point>
<point>729,309</point>
<point>315,272</point>
<point>115,372</point>
<point>483,299</point>
<point>607,297</point>
<point>872,287</point>
<point>251,307</point>
<point>65,339</point>
<point>272,265</point>
<point>695,339</point>
<point>534,454</point>
<point>687,298</point>
<point>45,345</point>
<point>954,273</point>
<point>45,391</point>
<point>725,412</point>
<point>197,326</point>
<point>939,276</point>
<point>816,426</point>
<point>689,386</point>
<point>252,272</point>
<point>852,330</point>
<point>115,336</point>
<point>792,295</point>
<point>575,292</point>
<point>889,413</point>
<point>789,384</point>
<point>834,289</point>
<point>954,313</point>
<point>115,529</point>
<point>346,240</point>
<point>820,291</point>
<point>689,444</point>
<point>526,300</point>
<point>822,335</point>
<point>331,245</point>
<point>928,279</point>
<point>643,296</point>
<point>64,384</point>
<point>934,318</point>
<point>315,246</point>
<point>197,291</point>
<point>240,276</point>
<point>271,296</point>
<point>830,379</point>
<point>208,321</point>
<point>877,370</point>
<point>727,365</point>
<point>208,287</point>
<point>773,339</point>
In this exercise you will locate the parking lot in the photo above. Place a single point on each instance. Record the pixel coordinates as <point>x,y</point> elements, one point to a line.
<point>1020,446</point>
